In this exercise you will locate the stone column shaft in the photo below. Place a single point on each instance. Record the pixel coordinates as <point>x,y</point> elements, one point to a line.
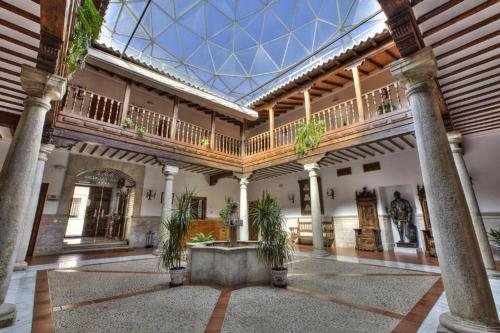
<point>466,284</point>
<point>168,193</point>
<point>455,139</point>
<point>18,171</point>
<point>244,231</point>
<point>25,232</point>
<point>317,227</point>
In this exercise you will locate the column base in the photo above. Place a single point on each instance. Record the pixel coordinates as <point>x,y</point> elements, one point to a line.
<point>451,323</point>
<point>7,315</point>
<point>156,252</point>
<point>320,252</point>
<point>20,266</point>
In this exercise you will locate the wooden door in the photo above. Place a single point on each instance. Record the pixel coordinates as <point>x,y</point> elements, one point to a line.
<point>97,212</point>
<point>38,218</point>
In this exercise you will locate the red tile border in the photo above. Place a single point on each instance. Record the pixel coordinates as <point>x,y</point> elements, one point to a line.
<point>412,321</point>
<point>43,321</point>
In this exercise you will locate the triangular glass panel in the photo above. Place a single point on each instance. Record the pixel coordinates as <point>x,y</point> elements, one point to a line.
<point>194,20</point>
<point>219,55</point>
<point>263,63</point>
<point>160,19</point>
<point>273,28</point>
<point>226,7</point>
<point>303,14</point>
<point>137,7</point>
<point>170,40</point>
<point>167,6</point>
<point>202,58</point>
<point>305,34</point>
<point>216,20</point>
<point>182,6</point>
<point>126,23</point>
<point>242,39</point>
<point>232,67</point>
<point>284,10</point>
<point>324,33</point>
<point>246,57</point>
<point>294,53</point>
<point>189,41</point>
<point>276,49</point>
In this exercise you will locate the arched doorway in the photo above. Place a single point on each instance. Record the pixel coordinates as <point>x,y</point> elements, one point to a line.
<point>101,206</point>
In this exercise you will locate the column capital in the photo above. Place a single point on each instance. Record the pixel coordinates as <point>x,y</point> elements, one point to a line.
<point>455,138</point>
<point>243,183</point>
<point>310,159</point>
<point>40,84</point>
<point>170,170</point>
<point>45,150</point>
<point>242,176</point>
<point>312,169</point>
<point>418,68</point>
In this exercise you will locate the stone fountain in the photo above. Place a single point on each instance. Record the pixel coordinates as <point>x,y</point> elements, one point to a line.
<point>227,263</point>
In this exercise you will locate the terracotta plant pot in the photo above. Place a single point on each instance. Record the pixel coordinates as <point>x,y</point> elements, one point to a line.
<point>177,276</point>
<point>279,277</point>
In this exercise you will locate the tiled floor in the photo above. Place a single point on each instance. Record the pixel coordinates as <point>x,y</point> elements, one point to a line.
<point>22,288</point>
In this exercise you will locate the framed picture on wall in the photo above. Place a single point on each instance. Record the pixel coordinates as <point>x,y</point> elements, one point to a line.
<point>305,196</point>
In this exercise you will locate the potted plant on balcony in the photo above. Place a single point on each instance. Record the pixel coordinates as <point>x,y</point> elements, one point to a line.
<point>274,247</point>
<point>309,135</point>
<point>141,131</point>
<point>128,123</point>
<point>177,226</point>
<point>205,143</point>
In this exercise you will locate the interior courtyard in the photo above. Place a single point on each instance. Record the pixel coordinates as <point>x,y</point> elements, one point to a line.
<point>249,166</point>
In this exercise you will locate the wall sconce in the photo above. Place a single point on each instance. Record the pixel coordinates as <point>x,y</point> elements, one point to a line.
<point>227,199</point>
<point>331,193</point>
<point>150,194</point>
<point>291,197</point>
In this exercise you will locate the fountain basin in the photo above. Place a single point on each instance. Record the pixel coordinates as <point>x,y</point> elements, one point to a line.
<point>216,262</point>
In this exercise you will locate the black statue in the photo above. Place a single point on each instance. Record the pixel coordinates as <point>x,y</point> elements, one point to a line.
<point>401,214</point>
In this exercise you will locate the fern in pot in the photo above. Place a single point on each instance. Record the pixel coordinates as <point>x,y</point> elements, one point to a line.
<point>177,226</point>
<point>274,248</point>
<point>309,135</point>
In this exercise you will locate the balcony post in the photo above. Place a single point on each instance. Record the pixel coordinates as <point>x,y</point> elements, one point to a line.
<point>243,138</point>
<point>175,117</point>
<point>271,127</point>
<point>212,131</point>
<point>307,105</point>
<point>357,89</point>
<point>126,101</point>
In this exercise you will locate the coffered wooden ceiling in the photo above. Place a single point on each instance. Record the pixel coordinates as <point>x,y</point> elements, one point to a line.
<point>465,38</point>
<point>19,43</point>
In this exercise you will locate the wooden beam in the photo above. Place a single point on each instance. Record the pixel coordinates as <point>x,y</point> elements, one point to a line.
<point>463,78</point>
<point>94,150</point>
<point>465,31</point>
<point>175,117</point>
<point>82,148</point>
<point>405,140</point>
<point>438,10</point>
<point>465,68</point>
<point>396,144</point>
<point>472,55</point>
<point>459,17</point>
<point>214,179</point>
<point>385,146</point>
<point>375,63</point>
<point>365,151</point>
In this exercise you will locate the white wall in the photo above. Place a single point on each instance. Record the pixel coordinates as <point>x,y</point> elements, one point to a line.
<point>216,194</point>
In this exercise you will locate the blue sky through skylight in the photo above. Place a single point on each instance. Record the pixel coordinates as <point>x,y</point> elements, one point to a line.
<point>238,49</point>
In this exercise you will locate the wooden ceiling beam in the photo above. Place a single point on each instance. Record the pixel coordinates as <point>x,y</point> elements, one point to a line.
<point>405,140</point>
<point>384,146</point>
<point>461,79</point>
<point>438,10</point>
<point>397,145</point>
<point>472,55</point>
<point>459,18</point>
<point>375,63</point>
<point>465,68</point>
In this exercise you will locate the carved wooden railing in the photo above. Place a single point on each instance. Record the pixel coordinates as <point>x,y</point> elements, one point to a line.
<point>152,122</point>
<point>376,103</point>
<point>384,100</point>
<point>84,105</point>
<point>227,144</point>
<point>87,104</point>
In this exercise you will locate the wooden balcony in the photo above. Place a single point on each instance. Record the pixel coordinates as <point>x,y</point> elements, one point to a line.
<point>386,113</point>
<point>92,114</point>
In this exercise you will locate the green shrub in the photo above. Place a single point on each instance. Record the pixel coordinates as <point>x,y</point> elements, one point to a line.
<point>495,236</point>
<point>128,123</point>
<point>141,131</point>
<point>201,237</point>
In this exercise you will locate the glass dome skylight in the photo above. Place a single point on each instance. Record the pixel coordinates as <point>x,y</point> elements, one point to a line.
<point>238,49</point>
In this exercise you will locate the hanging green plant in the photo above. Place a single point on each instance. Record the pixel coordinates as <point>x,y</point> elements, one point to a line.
<point>385,108</point>
<point>86,30</point>
<point>309,135</point>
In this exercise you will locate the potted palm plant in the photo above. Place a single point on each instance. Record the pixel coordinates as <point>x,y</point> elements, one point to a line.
<point>177,227</point>
<point>274,247</point>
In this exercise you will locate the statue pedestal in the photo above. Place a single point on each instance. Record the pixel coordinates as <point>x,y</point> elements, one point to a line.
<point>404,247</point>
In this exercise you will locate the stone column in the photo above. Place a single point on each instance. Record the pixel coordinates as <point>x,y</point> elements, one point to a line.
<point>455,139</point>
<point>244,230</point>
<point>25,232</point>
<point>169,171</point>
<point>468,291</point>
<point>18,171</point>
<point>318,242</point>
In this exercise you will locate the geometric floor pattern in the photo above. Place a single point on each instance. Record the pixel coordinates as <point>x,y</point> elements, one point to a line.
<point>322,296</point>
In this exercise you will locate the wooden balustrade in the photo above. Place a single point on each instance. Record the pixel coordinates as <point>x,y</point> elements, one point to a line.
<point>87,104</point>
<point>228,145</point>
<point>258,143</point>
<point>377,103</point>
<point>384,100</point>
<point>151,122</point>
<point>191,134</point>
